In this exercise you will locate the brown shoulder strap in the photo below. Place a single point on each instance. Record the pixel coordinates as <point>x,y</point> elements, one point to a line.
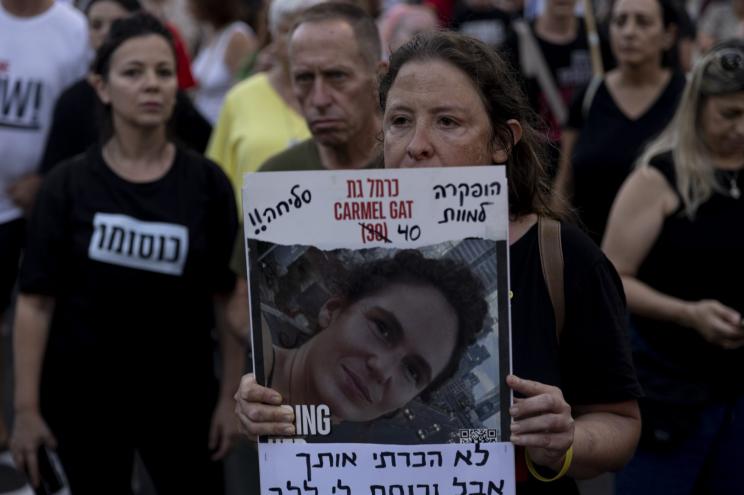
<point>551,259</point>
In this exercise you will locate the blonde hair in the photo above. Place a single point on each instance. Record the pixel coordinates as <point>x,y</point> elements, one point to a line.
<point>695,175</point>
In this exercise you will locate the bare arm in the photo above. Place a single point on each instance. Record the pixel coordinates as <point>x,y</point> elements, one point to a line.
<point>603,436</point>
<point>31,330</point>
<point>224,425</point>
<point>237,311</point>
<point>240,46</point>
<point>33,315</point>
<point>635,222</point>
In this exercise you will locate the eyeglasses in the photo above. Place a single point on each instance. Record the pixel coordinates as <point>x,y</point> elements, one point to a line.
<point>723,72</point>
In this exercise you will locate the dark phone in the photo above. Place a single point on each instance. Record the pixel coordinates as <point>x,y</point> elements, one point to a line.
<point>51,480</point>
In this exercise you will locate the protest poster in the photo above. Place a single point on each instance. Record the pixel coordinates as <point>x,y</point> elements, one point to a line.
<point>379,310</point>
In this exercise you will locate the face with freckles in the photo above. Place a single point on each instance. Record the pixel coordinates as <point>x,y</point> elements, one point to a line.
<point>376,354</point>
<point>333,82</point>
<point>435,117</point>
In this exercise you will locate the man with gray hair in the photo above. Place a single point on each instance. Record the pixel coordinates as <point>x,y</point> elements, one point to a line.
<point>335,57</point>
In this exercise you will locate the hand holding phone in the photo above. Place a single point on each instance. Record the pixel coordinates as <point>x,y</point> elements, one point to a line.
<point>29,432</point>
<point>50,479</point>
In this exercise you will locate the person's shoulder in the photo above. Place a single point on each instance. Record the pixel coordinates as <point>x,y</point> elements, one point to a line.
<point>241,27</point>
<point>196,162</point>
<point>201,169</point>
<point>69,17</point>
<point>662,163</point>
<point>302,156</point>
<point>578,247</point>
<point>662,160</point>
<point>245,88</point>
<point>76,168</point>
<point>78,93</point>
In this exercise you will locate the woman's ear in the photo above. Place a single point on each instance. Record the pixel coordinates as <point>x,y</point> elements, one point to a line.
<point>329,311</point>
<point>500,153</point>
<point>101,88</point>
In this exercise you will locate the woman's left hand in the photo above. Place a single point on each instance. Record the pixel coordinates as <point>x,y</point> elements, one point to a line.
<point>542,422</point>
<point>224,429</point>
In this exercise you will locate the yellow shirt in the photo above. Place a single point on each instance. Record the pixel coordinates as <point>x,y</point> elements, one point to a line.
<point>254,125</point>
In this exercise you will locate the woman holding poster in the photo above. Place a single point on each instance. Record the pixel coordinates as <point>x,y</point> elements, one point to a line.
<point>675,236</point>
<point>451,100</point>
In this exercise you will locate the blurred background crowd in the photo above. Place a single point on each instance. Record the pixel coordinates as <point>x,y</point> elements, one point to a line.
<point>604,77</point>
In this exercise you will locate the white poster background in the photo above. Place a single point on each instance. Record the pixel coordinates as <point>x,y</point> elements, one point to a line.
<point>404,208</point>
<point>368,469</point>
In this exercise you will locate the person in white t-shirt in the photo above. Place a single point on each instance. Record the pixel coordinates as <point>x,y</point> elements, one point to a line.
<point>43,49</point>
<point>226,49</point>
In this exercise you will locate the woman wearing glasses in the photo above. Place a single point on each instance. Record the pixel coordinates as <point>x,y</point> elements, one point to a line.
<point>675,236</point>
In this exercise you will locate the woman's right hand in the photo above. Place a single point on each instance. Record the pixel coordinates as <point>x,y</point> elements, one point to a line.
<point>717,323</point>
<point>30,431</point>
<point>260,410</point>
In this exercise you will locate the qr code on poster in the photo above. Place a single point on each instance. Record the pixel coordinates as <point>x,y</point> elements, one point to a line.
<point>478,435</point>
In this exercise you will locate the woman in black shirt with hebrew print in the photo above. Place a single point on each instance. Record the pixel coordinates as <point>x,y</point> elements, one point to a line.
<point>121,286</point>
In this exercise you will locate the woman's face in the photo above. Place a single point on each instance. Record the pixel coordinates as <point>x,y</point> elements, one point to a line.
<point>141,86</point>
<point>637,33</point>
<point>374,356</point>
<point>722,122</point>
<point>100,16</point>
<point>434,117</point>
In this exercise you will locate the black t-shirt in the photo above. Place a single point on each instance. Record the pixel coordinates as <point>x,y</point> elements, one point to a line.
<point>76,124</point>
<point>491,25</point>
<point>693,259</point>
<point>132,268</point>
<point>592,363</point>
<point>570,67</point>
<point>608,145</point>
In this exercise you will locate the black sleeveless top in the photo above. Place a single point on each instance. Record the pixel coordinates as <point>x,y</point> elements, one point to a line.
<point>693,259</point>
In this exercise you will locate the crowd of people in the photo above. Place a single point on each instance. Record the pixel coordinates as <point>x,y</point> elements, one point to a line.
<point>122,265</point>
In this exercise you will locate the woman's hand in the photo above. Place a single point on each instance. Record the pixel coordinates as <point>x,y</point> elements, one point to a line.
<point>260,410</point>
<point>30,431</point>
<point>224,429</point>
<point>542,422</point>
<point>717,323</point>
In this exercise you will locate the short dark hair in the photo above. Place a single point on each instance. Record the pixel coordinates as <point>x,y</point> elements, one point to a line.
<point>460,287</point>
<point>363,25</point>
<point>503,98</point>
<point>128,5</point>
<point>122,30</point>
<point>219,13</point>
